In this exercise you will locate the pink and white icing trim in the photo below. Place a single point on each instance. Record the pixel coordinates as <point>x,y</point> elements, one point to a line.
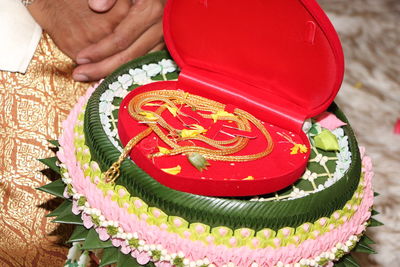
<point>196,250</point>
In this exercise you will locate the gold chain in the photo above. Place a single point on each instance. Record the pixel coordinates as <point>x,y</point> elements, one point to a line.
<point>173,98</point>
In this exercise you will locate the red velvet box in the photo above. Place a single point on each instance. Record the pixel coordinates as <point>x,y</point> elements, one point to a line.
<point>280,60</point>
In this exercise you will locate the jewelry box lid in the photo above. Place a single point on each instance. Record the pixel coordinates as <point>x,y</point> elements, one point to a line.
<point>285,52</point>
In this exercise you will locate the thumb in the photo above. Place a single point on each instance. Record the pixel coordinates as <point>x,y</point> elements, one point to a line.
<point>101,5</point>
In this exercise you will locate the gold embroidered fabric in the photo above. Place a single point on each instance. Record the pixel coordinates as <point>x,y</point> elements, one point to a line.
<point>32,107</point>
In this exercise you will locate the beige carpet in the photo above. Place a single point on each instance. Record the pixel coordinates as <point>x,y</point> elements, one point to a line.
<point>370,96</point>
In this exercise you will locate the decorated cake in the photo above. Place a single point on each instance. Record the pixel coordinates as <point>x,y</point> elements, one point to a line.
<point>226,152</point>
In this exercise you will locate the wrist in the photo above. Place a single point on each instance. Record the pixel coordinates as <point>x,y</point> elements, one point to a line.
<point>40,11</point>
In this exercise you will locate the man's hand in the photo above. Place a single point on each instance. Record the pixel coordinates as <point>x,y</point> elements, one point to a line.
<point>73,25</point>
<point>101,5</point>
<point>139,33</point>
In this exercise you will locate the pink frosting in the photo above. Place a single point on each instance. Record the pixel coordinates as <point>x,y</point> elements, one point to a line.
<point>194,250</point>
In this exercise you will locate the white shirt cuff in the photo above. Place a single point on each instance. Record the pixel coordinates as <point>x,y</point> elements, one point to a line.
<point>19,35</point>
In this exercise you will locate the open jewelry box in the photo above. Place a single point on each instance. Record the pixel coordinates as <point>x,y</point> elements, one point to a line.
<point>279,60</point>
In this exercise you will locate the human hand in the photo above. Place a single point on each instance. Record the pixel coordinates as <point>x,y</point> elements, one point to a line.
<point>101,5</point>
<point>139,33</point>
<point>73,25</point>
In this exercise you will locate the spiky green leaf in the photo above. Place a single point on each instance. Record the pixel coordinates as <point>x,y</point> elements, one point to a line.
<point>51,163</point>
<point>374,212</point>
<point>110,256</point>
<point>366,240</point>
<point>93,241</point>
<point>68,217</point>
<point>55,188</point>
<point>54,142</point>
<point>350,261</point>
<point>364,249</point>
<point>127,260</point>
<point>347,261</point>
<point>60,209</point>
<point>79,234</point>
<point>374,223</point>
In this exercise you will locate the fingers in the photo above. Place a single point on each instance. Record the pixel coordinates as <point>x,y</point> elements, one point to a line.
<point>158,47</point>
<point>142,15</point>
<point>146,42</point>
<point>101,5</point>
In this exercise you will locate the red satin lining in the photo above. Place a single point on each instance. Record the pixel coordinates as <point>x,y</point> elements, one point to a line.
<point>271,173</point>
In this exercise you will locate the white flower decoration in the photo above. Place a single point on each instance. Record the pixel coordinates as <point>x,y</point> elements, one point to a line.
<point>107,128</point>
<point>309,176</point>
<point>318,157</point>
<point>114,86</point>
<point>104,119</point>
<point>120,93</point>
<point>343,142</point>
<point>321,159</point>
<point>297,193</point>
<point>320,188</point>
<point>307,125</point>
<point>139,76</point>
<point>152,69</point>
<point>337,175</point>
<point>125,80</point>
<point>328,183</point>
<point>114,133</point>
<point>167,66</point>
<point>338,132</point>
<point>344,156</point>
<point>103,106</point>
<point>107,96</point>
<point>116,145</point>
<point>106,108</point>
<point>343,165</point>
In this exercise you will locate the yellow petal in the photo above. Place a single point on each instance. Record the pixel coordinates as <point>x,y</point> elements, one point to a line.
<point>298,148</point>
<point>221,113</point>
<point>173,111</point>
<point>185,133</point>
<point>214,117</point>
<point>148,115</point>
<point>295,149</point>
<point>303,149</point>
<point>249,178</point>
<point>152,105</point>
<point>164,150</point>
<point>224,113</point>
<point>174,171</point>
<point>199,128</point>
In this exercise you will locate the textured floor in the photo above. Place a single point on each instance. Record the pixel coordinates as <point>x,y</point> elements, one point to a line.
<point>370,96</point>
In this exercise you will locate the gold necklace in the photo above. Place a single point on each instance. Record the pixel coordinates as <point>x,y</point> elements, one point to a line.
<point>174,100</point>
